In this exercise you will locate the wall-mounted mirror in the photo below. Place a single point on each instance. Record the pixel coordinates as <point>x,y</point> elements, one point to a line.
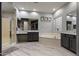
<point>25,24</point>
<point>22,24</point>
<point>71,21</point>
<point>68,25</point>
<point>33,24</point>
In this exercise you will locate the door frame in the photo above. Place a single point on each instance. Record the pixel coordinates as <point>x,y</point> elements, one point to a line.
<point>0,32</point>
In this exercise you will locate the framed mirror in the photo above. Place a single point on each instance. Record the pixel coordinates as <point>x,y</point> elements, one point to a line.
<point>71,21</point>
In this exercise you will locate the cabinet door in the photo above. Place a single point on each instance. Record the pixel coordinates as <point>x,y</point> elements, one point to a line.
<point>33,36</point>
<point>36,36</point>
<point>73,43</point>
<point>65,40</point>
<point>62,40</point>
<point>29,36</point>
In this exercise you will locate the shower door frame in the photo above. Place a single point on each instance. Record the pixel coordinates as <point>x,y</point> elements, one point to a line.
<point>0,32</point>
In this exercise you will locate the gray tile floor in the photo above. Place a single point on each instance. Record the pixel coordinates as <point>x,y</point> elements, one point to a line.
<point>45,47</point>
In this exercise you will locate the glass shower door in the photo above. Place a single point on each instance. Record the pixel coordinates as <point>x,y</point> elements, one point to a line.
<point>12,31</point>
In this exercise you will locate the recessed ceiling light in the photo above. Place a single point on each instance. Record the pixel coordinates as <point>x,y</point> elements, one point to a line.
<point>54,9</point>
<point>34,9</point>
<point>22,8</point>
<point>68,16</point>
<point>35,2</point>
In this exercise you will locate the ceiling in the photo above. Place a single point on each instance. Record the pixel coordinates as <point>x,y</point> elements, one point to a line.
<point>29,6</point>
<point>7,7</point>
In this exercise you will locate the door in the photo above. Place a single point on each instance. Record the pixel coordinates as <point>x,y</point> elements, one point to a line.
<point>5,33</point>
<point>62,39</point>
<point>73,43</point>
<point>12,30</point>
<point>65,40</point>
<point>0,31</point>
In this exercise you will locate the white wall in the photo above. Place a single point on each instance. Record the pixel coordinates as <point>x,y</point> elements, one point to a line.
<point>58,24</point>
<point>46,26</point>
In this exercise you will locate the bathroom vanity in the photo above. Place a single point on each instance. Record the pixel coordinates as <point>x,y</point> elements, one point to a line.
<point>68,35</point>
<point>27,30</point>
<point>29,36</point>
<point>68,41</point>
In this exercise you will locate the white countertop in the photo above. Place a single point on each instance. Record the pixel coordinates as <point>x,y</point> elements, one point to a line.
<point>33,31</point>
<point>70,32</point>
<point>25,32</point>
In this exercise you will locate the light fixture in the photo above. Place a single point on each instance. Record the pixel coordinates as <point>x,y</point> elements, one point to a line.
<point>68,16</point>
<point>54,9</point>
<point>22,8</point>
<point>34,9</point>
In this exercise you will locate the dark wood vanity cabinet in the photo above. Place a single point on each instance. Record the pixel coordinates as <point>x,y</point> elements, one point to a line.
<point>69,42</point>
<point>29,37</point>
<point>73,43</point>
<point>33,36</point>
<point>64,41</point>
<point>21,38</point>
